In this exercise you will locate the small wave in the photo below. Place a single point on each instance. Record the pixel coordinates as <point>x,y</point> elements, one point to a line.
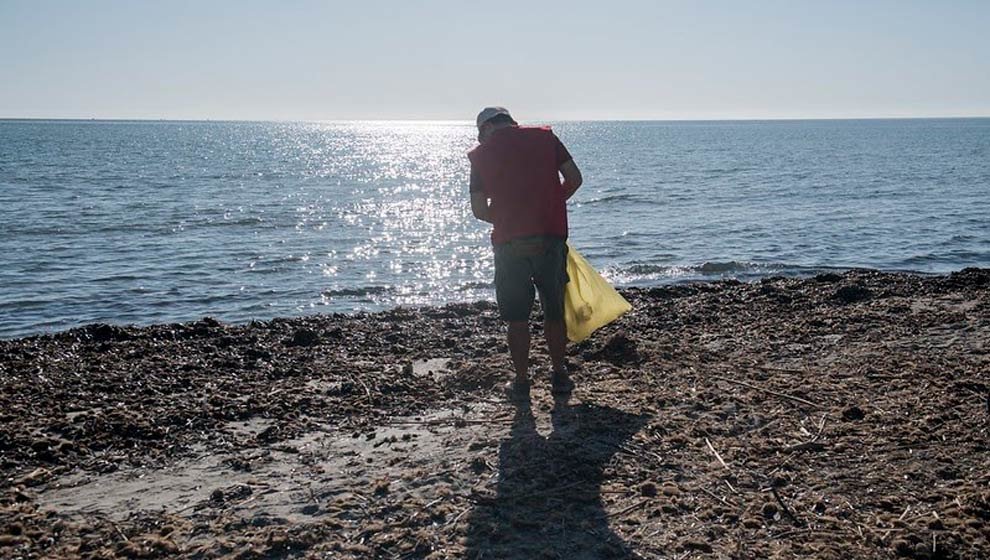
<point>707,268</point>
<point>650,273</point>
<point>958,258</point>
<point>257,221</point>
<point>78,229</point>
<point>113,278</point>
<point>647,269</point>
<point>359,292</point>
<point>610,198</point>
<point>963,238</point>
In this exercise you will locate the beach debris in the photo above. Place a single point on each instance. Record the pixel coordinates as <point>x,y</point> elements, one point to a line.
<point>827,278</point>
<point>106,333</point>
<point>699,420</point>
<point>853,293</point>
<point>853,413</point>
<point>618,350</point>
<point>35,477</point>
<point>768,391</point>
<point>304,337</point>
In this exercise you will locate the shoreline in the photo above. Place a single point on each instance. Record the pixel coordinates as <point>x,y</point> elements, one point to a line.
<point>784,119</point>
<point>841,415</point>
<point>803,274</point>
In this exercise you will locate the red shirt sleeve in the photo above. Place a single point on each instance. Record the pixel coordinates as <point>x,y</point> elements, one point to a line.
<point>563,156</point>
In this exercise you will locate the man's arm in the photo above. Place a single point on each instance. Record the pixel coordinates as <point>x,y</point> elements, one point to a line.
<point>572,178</point>
<point>479,200</point>
<point>567,168</point>
<point>479,206</point>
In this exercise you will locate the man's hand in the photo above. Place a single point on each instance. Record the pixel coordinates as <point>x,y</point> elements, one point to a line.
<point>572,178</point>
<point>479,206</point>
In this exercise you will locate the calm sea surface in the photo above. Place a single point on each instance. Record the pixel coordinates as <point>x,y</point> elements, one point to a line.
<point>144,222</point>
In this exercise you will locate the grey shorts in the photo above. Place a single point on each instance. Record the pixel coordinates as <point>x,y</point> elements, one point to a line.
<point>524,266</point>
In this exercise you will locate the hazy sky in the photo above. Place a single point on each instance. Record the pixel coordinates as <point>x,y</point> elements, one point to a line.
<point>544,59</point>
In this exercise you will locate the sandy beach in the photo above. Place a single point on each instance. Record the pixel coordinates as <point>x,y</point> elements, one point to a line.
<point>839,416</point>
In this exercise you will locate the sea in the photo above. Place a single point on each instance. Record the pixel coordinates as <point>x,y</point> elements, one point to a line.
<point>141,222</point>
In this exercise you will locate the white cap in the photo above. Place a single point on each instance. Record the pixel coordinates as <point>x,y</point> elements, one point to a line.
<point>491,112</point>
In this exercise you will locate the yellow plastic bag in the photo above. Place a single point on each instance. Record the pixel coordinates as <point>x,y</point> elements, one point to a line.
<point>590,302</point>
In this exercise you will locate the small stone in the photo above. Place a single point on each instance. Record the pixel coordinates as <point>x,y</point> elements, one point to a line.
<point>902,547</point>
<point>700,546</point>
<point>779,481</point>
<point>105,333</point>
<point>11,541</point>
<point>478,465</point>
<point>22,498</point>
<point>35,477</point>
<point>264,520</point>
<point>827,278</point>
<point>381,487</point>
<point>769,510</point>
<point>304,337</point>
<point>620,350</point>
<point>853,413</point>
<point>852,294</point>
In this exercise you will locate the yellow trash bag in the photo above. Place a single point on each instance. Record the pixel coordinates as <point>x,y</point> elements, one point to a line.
<point>590,301</point>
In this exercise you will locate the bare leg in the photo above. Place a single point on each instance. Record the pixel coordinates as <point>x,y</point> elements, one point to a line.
<point>556,335</point>
<point>519,347</point>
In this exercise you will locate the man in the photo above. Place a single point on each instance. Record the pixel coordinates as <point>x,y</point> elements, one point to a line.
<point>515,186</point>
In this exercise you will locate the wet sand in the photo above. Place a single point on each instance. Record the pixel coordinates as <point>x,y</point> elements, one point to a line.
<point>841,416</point>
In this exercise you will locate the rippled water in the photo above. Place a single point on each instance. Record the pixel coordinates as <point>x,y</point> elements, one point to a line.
<point>168,221</point>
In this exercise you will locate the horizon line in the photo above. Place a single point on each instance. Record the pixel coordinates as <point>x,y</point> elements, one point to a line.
<point>471,121</point>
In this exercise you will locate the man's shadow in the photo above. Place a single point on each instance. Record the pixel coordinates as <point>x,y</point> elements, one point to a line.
<point>548,502</point>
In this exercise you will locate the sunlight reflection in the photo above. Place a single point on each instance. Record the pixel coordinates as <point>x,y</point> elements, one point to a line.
<point>389,201</point>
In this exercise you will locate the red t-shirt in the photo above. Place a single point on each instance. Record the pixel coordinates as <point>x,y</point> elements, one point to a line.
<point>517,168</point>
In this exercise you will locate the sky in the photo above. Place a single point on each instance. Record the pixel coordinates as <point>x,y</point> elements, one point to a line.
<point>445,60</point>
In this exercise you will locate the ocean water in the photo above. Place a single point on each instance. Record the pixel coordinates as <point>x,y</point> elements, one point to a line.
<point>144,222</point>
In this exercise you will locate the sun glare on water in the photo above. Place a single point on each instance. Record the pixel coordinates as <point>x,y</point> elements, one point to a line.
<point>399,197</point>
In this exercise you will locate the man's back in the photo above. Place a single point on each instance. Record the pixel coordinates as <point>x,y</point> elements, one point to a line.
<point>517,170</point>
